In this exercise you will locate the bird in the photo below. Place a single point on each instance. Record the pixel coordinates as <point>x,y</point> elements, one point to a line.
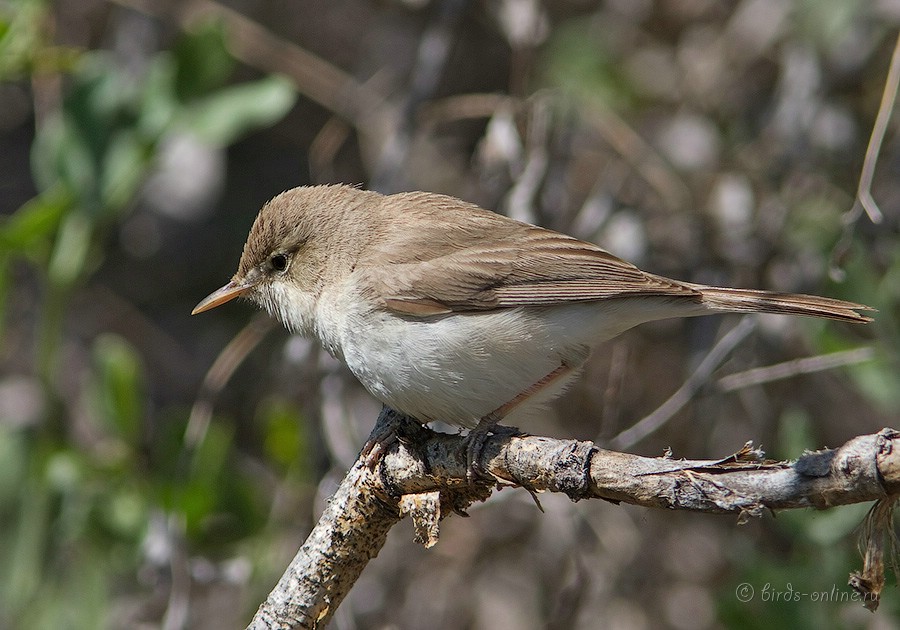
<point>446,311</point>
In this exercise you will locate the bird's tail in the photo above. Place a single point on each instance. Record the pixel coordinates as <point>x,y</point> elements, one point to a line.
<point>752,301</point>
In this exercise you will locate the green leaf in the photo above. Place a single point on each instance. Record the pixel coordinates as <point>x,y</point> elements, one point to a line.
<point>814,223</point>
<point>14,453</point>
<point>102,99</point>
<point>120,382</point>
<point>26,547</point>
<point>124,512</point>
<point>158,103</point>
<point>25,46</point>
<point>60,156</point>
<point>203,61</point>
<point>71,248</point>
<point>212,454</point>
<point>576,60</point>
<point>200,497</point>
<point>880,381</point>
<point>284,439</point>
<point>124,167</point>
<point>20,37</point>
<point>36,220</point>
<point>224,116</point>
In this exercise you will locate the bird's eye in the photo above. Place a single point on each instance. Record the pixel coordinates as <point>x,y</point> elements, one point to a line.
<point>279,262</point>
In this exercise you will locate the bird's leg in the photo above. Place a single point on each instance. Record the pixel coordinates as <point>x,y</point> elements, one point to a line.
<point>389,428</point>
<point>477,437</point>
<point>377,445</point>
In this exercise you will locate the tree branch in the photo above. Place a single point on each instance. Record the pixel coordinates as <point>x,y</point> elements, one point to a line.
<point>424,475</point>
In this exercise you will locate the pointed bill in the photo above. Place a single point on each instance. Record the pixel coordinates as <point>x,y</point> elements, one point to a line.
<point>227,293</point>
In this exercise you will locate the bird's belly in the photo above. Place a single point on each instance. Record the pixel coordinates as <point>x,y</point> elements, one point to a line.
<point>458,368</point>
<point>461,367</point>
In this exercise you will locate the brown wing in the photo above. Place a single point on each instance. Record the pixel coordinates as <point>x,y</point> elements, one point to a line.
<point>478,261</point>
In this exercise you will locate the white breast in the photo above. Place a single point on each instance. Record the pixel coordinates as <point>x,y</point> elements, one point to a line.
<point>459,368</point>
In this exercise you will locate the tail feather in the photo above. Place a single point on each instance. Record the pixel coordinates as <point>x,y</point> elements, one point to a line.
<point>752,301</point>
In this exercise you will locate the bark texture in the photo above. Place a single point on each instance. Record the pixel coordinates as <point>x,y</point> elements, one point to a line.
<point>423,475</point>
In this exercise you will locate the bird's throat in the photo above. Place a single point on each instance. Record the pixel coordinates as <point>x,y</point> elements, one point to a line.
<point>293,307</point>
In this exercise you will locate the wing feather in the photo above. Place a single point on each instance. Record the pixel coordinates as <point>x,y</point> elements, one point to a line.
<point>490,262</point>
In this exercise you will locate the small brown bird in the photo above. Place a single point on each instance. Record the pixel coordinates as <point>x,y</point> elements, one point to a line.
<point>445,311</point>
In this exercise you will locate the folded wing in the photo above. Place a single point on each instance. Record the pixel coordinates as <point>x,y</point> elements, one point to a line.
<point>526,266</point>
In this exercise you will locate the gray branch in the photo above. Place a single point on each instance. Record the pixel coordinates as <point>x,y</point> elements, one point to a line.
<point>424,476</point>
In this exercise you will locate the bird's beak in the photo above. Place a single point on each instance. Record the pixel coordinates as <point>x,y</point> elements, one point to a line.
<point>233,289</point>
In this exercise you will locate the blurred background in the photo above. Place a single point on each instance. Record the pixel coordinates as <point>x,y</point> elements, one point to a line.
<point>712,141</point>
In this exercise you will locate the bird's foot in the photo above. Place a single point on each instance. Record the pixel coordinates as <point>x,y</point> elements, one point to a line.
<point>377,445</point>
<point>391,427</point>
<point>475,442</point>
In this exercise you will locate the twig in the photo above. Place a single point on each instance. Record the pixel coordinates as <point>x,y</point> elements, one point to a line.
<point>324,147</point>
<point>350,532</point>
<point>464,107</point>
<point>788,369</point>
<point>520,199</point>
<point>864,191</point>
<point>256,46</point>
<point>653,422</point>
<point>178,606</point>
<point>219,373</point>
<point>367,503</point>
<point>642,157</point>
<point>431,58</point>
<point>864,200</point>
